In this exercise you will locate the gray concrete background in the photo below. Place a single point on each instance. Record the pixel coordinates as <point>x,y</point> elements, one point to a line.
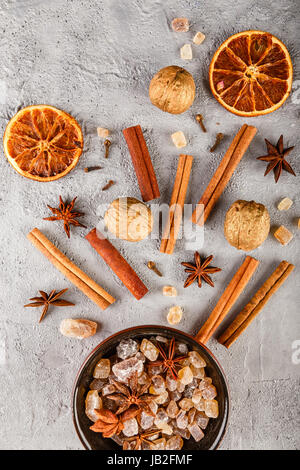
<point>95,59</point>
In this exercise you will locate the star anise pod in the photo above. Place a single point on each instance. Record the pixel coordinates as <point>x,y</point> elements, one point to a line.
<point>46,299</point>
<point>139,439</point>
<point>200,271</point>
<point>109,423</point>
<point>276,158</point>
<point>65,212</point>
<point>134,395</point>
<point>168,361</point>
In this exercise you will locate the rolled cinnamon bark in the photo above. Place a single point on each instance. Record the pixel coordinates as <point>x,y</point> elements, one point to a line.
<point>142,163</point>
<point>117,263</point>
<point>225,170</point>
<point>79,278</point>
<point>228,298</point>
<point>177,204</point>
<point>256,304</point>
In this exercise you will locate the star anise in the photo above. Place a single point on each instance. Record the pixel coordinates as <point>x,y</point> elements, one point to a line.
<point>109,423</point>
<point>139,440</point>
<point>168,362</point>
<point>200,271</point>
<point>276,158</point>
<point>134,395</point>
<point>47,299</point>
<point>65,212</point>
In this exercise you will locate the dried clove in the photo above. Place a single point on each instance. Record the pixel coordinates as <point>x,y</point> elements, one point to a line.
<point>151,265</point>
<point>108,185</point>
<point>219,138</point>
<point>92,168</point>
<point>199,118</point>
<point>107,144</point>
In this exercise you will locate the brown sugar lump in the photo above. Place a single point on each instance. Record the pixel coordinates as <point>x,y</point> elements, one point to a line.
<point>283,235</point>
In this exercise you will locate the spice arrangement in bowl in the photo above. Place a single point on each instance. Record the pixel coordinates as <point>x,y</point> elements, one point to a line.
<point>152,394</point>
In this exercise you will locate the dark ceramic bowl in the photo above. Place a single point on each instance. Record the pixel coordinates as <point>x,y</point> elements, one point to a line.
<point>94,441</point>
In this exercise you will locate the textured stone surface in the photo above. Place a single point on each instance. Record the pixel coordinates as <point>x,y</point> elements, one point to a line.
<point>95,59</point>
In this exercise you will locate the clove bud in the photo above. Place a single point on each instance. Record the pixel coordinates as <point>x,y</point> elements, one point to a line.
<point>199,118</point>
<point>151,265</point>
<point>108,185</point>
<point>219,138</point>
<point>92,168</point>
<point>107,144</point>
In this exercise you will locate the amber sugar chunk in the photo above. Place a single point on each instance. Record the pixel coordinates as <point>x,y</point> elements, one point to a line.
<point>285,204</point>
<point>283,235</point>
<point>180,25</point>
<point>179,139</point>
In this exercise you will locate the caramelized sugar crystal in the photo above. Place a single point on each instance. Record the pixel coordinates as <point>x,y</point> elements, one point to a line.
<point>146,420</point>
<point>161,415</point>
<point>127,368</point>
<point>171,382</point>
<point>182,420</point>
<point>198,38</point>
<point>92,402</point>
<point>159,444</point>
<point>200,405</point>
<point>197,372</point>
<point>196,432</point>
<point>159,384</point>
<point>161,398</point>
<point>186,404</point>
<point>205,383</point>
<point>78,328</point>
<point>211,408</point>
<point>180,25</point>
<point>174,315</point>
<point>285,204</point>
<point>127,348</point>
<point>196,359</point>
<point>197,395</point>
<point>103,132</point>
<point>165,427</point>
<point>169,291</point>
<point>201,419</point>
<point>130,427</point>
<point>283,235</point>
<point>102,369</point>
<point>149,350</point>
<point>179,139</point>
<point>185,375</point>
<point>186,52</point>
<point>174,443</point>
<point>209,392</point>
<point>172,409</point>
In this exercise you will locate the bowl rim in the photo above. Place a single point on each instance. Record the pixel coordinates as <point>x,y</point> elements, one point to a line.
<point>139,327</point>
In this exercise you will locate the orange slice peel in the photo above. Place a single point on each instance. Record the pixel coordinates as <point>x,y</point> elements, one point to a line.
<point>43,143</point>
<point>251,73</point>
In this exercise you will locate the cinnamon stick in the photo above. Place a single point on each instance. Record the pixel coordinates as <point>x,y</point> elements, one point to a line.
<point>177,203</point>
<point>256,304</point>
<point>142,163</point>
<point>80,279</point>
<point>117,263</point>
<point>228,298</point>
<point>220,179</point>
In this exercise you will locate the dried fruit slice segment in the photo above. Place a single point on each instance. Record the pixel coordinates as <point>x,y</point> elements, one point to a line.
<point>251,73</point>
<point>43,143</point>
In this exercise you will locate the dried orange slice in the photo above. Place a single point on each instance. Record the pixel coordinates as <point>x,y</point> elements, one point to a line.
<point>43,143</point>
<point>251,73</point>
